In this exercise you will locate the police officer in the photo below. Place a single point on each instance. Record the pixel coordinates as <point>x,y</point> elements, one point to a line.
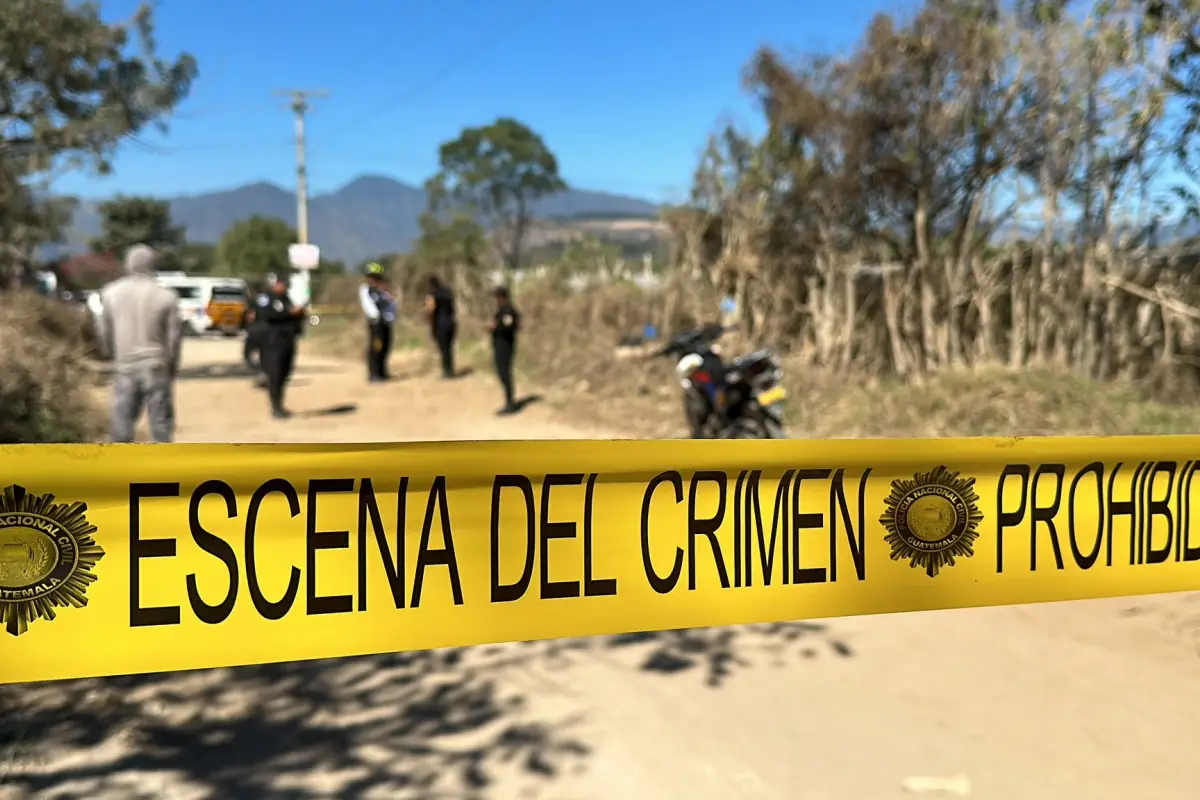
<point>504,329</point>
<point>380,310</point>
<point>281,321</point>
<point>443,320</point>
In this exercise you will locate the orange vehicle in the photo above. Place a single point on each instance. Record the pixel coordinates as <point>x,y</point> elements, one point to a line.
<point>227,309</point>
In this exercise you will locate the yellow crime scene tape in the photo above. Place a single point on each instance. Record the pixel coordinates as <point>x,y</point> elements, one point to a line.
<point>125,558</point>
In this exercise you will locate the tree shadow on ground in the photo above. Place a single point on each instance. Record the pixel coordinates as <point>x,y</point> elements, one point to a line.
<point>426,724</point>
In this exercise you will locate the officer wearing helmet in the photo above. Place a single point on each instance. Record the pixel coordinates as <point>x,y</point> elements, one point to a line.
<point>379,307</point>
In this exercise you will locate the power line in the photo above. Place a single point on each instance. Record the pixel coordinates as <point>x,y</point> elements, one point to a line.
<point>387,39</point>
<point>408,94</point>
<point>454,66</point>
<point>211,147</point>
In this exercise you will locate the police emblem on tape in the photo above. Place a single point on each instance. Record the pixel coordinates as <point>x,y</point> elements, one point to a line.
<point>47,553</point>
<point>932,519</point>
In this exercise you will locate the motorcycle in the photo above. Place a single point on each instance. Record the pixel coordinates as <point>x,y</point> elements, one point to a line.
<point>739,400</point>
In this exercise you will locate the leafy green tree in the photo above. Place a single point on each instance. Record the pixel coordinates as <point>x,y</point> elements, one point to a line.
<point>1177,22</point>
<point>445,244</point>
<point>258,245</point>
<point>126,221</point>
<point>28,219</point>
<point>196,258</point>
<point>255,246</point>
<point>72,87</point>
<point>497,172</point>
<point>457,249</point>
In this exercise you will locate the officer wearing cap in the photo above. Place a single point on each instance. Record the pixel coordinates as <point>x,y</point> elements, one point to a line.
<point>443,321</point>
<point>379,307</point>
<point>504,329</point>
<point>282,323</point>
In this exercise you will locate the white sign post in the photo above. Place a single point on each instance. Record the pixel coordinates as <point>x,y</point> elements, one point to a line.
<point>304,258</point>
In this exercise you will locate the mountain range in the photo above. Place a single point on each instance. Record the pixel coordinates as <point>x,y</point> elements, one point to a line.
<point>369,216</point>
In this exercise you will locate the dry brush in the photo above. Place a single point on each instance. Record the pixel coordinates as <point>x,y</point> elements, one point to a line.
<point>877,226</point>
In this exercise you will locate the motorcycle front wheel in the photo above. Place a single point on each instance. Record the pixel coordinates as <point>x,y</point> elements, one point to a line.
<point>746,429</point>
<point>754,428</point>
<point>773,429</point>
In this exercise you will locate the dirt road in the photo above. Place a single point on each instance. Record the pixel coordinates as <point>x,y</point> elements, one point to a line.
<point>1087,700</point>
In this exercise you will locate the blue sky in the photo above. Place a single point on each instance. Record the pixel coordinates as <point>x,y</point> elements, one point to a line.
<point>624,91</point>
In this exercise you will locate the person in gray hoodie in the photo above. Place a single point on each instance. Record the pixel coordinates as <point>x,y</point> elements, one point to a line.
<point>140,328</point>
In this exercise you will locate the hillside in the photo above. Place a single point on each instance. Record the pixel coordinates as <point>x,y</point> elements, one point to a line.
<point>368,216</point>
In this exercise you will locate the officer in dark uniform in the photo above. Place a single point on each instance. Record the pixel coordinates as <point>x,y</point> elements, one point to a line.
<point>504,329</point>
<point>282,322</point>
<point>443,320</point>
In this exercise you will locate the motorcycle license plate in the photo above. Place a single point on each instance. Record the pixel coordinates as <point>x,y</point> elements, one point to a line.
<point>772,396</point>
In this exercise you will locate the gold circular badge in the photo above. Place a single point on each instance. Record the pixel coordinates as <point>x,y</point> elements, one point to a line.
<point>47,553</point>
<point>27,557</point>
<point>932,519</point>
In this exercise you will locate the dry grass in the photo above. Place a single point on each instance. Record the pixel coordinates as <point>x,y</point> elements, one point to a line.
<point>344,335</point>
<point>345,338</point>
<point>46,382</point>
<point>569,346</point>
<point>990,402</point>
<point>568,353</point>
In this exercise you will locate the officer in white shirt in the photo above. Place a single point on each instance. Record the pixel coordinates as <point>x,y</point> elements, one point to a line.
<point>379,307</point>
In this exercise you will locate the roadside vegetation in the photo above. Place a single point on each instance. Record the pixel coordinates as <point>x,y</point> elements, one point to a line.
<point>979,204</point>
<point>980,220</point>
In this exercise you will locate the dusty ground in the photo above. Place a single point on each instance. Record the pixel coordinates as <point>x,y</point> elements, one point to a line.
<point>1087,700</point>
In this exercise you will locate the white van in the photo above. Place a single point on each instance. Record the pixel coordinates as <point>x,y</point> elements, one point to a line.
<point>195,295</point>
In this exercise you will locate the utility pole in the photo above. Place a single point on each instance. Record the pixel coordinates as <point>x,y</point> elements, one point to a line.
<point>299,105</point>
